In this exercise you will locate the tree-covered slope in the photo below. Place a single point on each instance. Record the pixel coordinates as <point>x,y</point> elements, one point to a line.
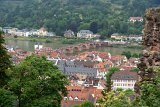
<point>102,16</point>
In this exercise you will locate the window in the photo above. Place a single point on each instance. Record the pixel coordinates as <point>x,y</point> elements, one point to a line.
<point>70,98</point>
<point>65,98</point>
<point>76,98</point>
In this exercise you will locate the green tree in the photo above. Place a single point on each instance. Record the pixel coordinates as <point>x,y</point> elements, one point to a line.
<point>85,104</point>
<point>127,54</point>
<point>150,91</point>
<point>135,55</point>
<point>135,70</point>
<point>38,83</point>
<point>108,77</point>
<point>7,99</point>
<point>94,27</point>
<point>117,98</point>
<point>5,62</point>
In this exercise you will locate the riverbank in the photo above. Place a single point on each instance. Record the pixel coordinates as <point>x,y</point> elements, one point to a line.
<point>28,45</point>
<point>48,40</point>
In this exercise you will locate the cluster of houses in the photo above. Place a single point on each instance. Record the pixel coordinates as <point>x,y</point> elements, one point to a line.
<point>136,19</point>
<point>84,34</point>
<point>26,32</point>
<point>120,37</point>
<point>17,54</point>
<point>42,32</point>
<point>86,72</point>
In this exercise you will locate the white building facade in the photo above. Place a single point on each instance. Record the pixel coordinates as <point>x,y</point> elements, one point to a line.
<point>124,79</point>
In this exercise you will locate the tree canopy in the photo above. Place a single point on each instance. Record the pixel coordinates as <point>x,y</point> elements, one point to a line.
<point>5,62</point>
<point>100,16</point>
<point>38,83</point>
<point>118,98</point>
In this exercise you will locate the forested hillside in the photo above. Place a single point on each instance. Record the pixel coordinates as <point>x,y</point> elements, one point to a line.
<point>100,16</point>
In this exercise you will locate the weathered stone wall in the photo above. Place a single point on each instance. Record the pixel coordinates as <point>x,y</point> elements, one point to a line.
<point>151,43</point>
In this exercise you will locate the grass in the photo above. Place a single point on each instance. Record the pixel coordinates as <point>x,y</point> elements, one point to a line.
<point>47,40</point>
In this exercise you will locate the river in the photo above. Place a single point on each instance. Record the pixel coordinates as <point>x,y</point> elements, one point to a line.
<point>29,46</point>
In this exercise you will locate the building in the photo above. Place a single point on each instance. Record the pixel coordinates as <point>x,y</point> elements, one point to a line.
<point>87,34</point>
<point>70,68</point>
<point>135,37</point>
<point>6,29</point>
<point>79,94</point>
<point>42,32</point>
<point>118,60</point>
<point>103,68</point>
<point>116,36</point>
<point>124,79</point>
<point>69,34</point>
<point>136,19</point>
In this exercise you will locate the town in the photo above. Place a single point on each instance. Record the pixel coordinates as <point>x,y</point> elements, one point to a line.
<point>79,53</point>
<point>86,71</point>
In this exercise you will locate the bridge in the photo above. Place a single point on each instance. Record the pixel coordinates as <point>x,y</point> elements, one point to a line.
<point>82,46</point>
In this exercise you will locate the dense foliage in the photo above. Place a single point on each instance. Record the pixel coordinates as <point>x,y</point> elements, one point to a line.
<point>85,104</point>
<point>128,54</point>
<point>7,99</point>
<point>150,91</point>
<point>102,16</point>
<point>5,62</point>
<point>118,98</point>
<point>37,83</point>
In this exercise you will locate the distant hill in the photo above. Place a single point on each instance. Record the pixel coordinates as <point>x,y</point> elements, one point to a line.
<point>100,16</point>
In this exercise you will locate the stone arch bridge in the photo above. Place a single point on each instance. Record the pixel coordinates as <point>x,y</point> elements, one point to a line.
<point>82,46</point>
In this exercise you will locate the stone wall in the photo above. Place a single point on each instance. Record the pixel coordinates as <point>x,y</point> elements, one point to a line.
<point>151,42</point>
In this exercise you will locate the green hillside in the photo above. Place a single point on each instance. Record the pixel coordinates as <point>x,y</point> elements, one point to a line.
<point>100,16</point>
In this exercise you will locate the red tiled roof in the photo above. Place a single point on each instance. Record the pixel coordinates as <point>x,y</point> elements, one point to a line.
<point>70,103</point>
<point>103,55</point>
<point>117,57</point>
<point>124,75</point>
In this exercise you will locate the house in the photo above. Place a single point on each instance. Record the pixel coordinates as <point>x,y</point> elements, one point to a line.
<point>17,55</point>
<point>118,59</point>
<point>79,94</point>
<point>103,67</point>
<point>42,32</point>
<point>19,33</point>
<point>104,55</point>
<point>86,34</point>
<point>135,37</point>
<point>136,19</point>
<point>6,29</point>
<point>94,55</point>
<point>124,79</point>
<point>50,34</point>
<point>119,37</point>
<point>40,50</point>
<point>69,34</point>
<point>12,31</point>
<point>33,32</point>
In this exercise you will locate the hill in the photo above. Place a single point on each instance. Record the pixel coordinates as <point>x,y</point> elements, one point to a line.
<point>100,16</point>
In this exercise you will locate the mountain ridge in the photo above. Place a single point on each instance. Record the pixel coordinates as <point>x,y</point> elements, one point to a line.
<point>110,16</point>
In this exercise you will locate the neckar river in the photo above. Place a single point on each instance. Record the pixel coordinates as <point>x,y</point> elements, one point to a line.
<point>29,46</point>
